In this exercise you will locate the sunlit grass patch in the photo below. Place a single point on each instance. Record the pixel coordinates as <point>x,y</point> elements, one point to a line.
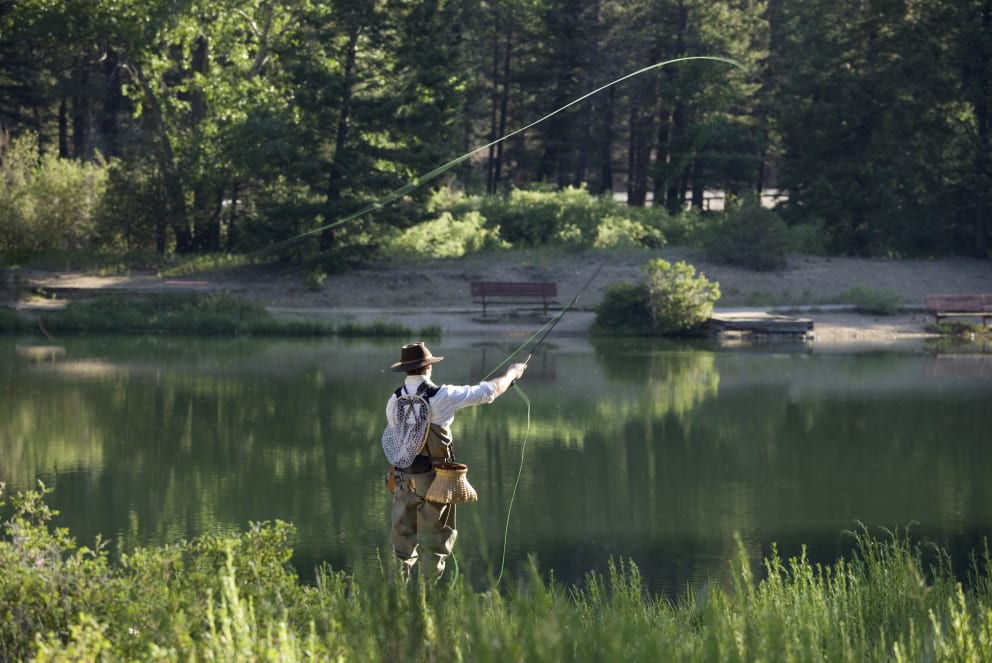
<point>193,313</point>
<point>220,314</point>
<point>204,263</point>
<point>962,329</point>
<point>868,300</point>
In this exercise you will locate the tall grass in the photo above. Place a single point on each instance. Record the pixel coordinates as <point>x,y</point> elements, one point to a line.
<point>192,313</point>
<point>237,599</point>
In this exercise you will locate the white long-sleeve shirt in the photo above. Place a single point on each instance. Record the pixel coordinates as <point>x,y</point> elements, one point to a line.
<point>448,399</point>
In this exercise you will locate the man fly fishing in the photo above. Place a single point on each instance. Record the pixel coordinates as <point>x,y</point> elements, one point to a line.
<point>417,440</point>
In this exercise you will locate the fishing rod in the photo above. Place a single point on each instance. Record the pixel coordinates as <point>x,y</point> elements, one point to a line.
<point>562,314</point>
<point>545,329</point>
<point>523,447</point>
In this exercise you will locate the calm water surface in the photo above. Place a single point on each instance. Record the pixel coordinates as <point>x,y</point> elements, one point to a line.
<point>657,453</point>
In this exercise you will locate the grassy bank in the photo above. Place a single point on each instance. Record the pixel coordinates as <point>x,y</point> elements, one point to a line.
<point>185,313</point>
<point>238,599</point>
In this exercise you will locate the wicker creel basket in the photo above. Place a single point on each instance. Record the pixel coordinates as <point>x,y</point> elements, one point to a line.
<point>451,485</point>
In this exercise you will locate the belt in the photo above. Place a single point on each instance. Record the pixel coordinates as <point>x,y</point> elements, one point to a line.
<point>420,465</point>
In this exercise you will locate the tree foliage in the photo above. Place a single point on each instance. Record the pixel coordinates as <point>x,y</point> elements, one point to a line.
<point>249,123</point>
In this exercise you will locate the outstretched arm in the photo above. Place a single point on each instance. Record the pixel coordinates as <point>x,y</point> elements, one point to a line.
<point>505,381</point>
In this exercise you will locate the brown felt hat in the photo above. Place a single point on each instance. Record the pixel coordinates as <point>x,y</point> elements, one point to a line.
<point>414,356</point>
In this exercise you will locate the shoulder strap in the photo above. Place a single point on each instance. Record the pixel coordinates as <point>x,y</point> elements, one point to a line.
<point>426,390</point>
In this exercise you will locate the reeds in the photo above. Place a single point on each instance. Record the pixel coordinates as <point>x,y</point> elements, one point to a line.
<point>220,314</point>
<point>238,599</point>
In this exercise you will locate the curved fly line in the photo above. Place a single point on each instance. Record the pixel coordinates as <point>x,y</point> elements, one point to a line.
<point>423,179</point>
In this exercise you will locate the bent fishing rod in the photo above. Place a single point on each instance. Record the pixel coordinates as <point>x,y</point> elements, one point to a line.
<point>543,332</point>
<point>561,315</point>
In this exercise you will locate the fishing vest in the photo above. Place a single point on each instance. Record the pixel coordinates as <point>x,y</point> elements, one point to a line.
<point>437,448</point>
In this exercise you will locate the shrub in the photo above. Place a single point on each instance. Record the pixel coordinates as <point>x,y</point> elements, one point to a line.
<point>750,236</point>
<point>670,301</point>
<point>537,218</point>
<point>130,212</point>
<point>47,203</point>
<point>314,279</point>
<point>73,604</point>
<point>679,301</point>
<point>624,310</point>
<point>622,232</point>
<point>448,237</point>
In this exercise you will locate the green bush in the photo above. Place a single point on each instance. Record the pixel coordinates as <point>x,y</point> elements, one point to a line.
<point>670,301</point>
<point>78,604</point>
<point>538,218</point>
<point>130,215</point>
<point>679,301</point>
<point>749,236</point>
<point>624,310</point>
<point>46,203</point>
<point>448,237</point>
<point>623,232</point>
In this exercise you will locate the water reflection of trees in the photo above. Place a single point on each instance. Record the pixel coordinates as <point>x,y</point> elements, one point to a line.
<point>174,447</point>
<point>635,451</point>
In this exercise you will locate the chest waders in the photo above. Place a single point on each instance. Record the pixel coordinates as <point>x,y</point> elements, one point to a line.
<point>416,521</point>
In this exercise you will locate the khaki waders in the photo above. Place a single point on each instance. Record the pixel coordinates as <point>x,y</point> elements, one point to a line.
<point>418,523</point>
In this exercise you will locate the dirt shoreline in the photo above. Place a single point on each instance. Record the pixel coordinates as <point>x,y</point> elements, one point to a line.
<point>426,293</point>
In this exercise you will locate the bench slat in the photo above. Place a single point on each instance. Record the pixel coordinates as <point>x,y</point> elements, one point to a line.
<point>962,306</point>
<point>520,289</point>
<point>490,292</point>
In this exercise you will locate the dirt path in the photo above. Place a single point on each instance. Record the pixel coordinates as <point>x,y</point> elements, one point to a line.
<point>423,293</point>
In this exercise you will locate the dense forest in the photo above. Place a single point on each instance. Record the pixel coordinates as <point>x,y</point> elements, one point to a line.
<point>193,126</point>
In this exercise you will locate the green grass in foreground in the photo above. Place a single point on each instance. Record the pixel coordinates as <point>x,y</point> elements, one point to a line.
<point>238,599</point>
<point>190,313</point>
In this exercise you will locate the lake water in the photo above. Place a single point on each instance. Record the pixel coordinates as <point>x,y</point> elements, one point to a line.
<point>663,454</point>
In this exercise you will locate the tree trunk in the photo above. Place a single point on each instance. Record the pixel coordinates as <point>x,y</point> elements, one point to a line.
<point>604,142</point>
<point>336,175</point>
<point>638,157</point>
<point>113,106</point>
<point>673,193</point>
<point>493,112</point>
<point>206,205</point>
<point>982,179</point>
<point>174,214</point>
<point>63,129</point>
<point>504,109</point>
<point>81,148</point>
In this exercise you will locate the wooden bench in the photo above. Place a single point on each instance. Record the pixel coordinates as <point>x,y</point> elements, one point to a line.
<point>504,292</point>
<point>960,306</point>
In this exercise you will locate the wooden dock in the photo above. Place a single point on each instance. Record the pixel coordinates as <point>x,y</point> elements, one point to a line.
<point>741,323</point>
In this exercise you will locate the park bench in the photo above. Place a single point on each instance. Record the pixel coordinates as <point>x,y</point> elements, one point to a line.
<point>959,306</point>
<point>514,292</point>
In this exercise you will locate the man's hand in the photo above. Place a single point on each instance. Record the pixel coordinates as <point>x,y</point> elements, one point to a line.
<point>505,381</point>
